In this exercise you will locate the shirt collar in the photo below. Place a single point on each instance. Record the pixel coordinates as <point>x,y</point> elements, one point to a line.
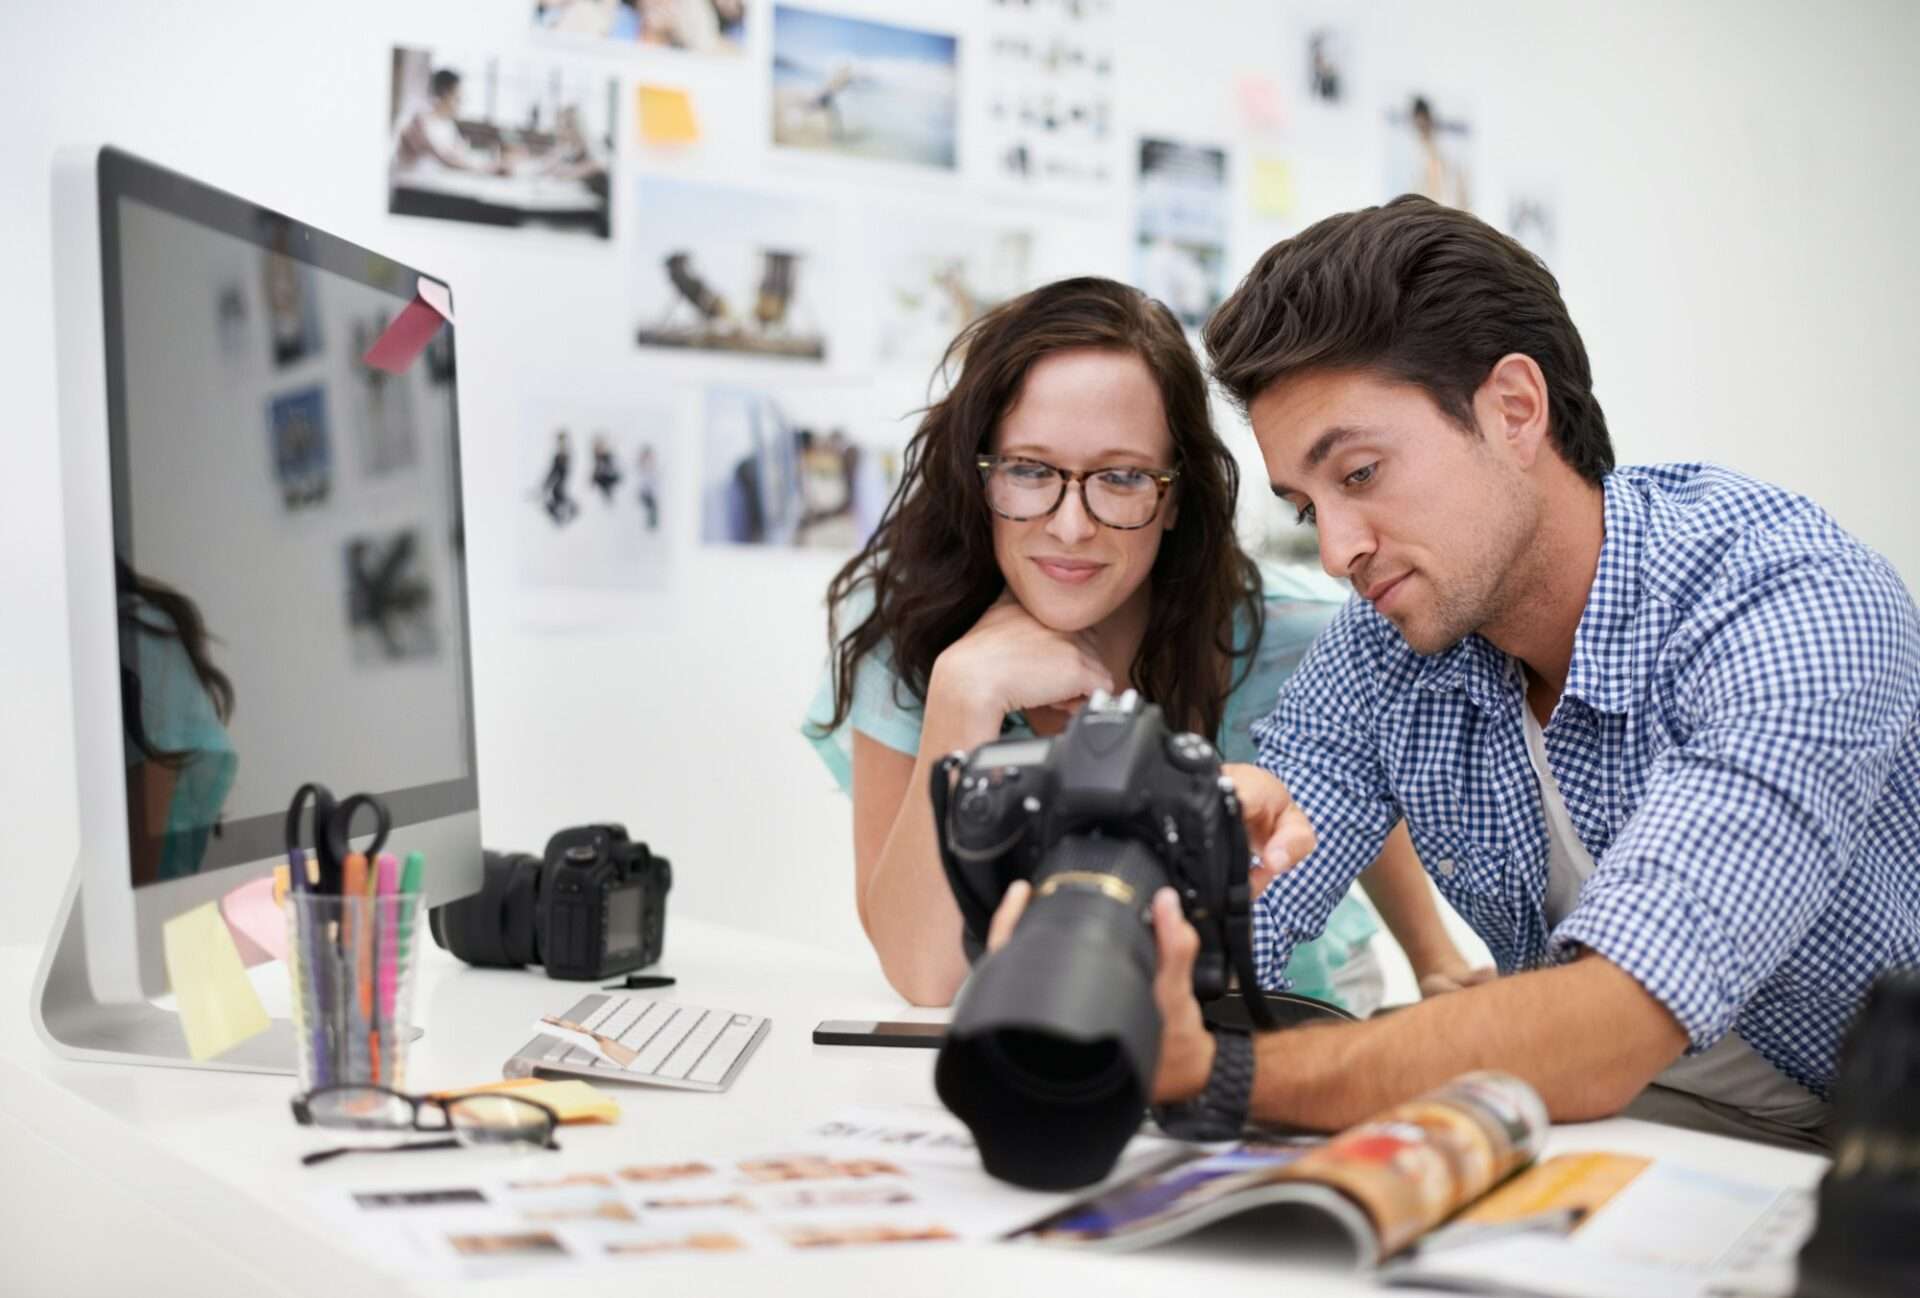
<point>1600,673</point>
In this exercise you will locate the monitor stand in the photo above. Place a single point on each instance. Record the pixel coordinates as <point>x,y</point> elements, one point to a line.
<point>74,1024</point>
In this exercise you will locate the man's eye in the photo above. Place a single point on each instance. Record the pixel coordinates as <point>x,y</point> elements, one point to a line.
<point>1303,516</point>
<point>1361,476</point>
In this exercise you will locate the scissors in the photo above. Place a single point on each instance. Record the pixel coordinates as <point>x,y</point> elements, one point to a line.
<point>333,829</point>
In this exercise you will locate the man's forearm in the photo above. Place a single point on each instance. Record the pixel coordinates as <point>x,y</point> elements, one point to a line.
<point>1585,1035</point>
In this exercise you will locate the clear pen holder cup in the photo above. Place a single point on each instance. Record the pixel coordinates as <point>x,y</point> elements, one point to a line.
<point>351,960</point>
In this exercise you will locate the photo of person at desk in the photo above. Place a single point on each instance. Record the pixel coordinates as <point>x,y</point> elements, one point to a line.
<point>1655,730</point>
<point>1065,525</point>
<point>487,170</point>
<point>175,703</point>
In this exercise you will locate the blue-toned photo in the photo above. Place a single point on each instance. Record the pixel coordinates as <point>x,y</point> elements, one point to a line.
<point>302,451</point>
<point>864,89</point>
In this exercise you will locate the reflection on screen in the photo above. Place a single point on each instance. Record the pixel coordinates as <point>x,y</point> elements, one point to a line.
<point>286,575</point>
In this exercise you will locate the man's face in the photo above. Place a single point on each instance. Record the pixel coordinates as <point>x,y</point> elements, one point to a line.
<point>1428,521</point>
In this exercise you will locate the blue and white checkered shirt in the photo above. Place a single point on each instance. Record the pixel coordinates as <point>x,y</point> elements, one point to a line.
<point>1738,744</point>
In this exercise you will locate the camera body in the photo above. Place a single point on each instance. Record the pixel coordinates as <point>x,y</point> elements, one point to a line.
<point>593,905</point>
<point>1118,773</point>
<point>1053,1047</point>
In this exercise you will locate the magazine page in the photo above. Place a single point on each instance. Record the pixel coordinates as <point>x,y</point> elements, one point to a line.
<point>1598,1224</point>
<point>1382,1183</point>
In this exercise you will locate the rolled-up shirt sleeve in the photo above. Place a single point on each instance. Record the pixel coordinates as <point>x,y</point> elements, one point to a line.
<point>1319,741</point>
<point>1790,694</point>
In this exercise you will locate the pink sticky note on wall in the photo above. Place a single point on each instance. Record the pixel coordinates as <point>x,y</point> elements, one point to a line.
<point>411,330</point>
<point>259,927</point>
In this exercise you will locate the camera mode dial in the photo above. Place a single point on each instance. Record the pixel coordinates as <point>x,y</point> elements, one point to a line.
<point>1189,752</point>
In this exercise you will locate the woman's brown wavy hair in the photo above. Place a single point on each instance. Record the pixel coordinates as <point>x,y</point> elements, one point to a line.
<point>930,563</point>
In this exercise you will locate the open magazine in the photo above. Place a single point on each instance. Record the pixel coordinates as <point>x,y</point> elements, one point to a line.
<point>1382,1184</point>
<point>1438,1193</point>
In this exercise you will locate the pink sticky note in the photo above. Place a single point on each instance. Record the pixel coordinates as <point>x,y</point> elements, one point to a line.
<point>411,330</point>
<point>259,929</point>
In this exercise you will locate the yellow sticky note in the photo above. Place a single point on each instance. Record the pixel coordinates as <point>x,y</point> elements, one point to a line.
<point>218,1006</point>
<point>1272,187</point>
<point>573,1100</point>
<point>666,116</point>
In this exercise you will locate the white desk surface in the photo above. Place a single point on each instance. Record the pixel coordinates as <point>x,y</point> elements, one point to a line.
<point>159,1181</point>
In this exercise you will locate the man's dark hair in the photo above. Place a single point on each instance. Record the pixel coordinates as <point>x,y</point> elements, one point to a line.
<point>1418,293</point>
<point>444,83</point>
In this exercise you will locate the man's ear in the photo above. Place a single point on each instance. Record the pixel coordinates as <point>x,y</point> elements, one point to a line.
<point>1512,408</point>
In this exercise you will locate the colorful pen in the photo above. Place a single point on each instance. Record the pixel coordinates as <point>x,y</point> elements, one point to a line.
<point>356,942</point>
<point>386,880</point>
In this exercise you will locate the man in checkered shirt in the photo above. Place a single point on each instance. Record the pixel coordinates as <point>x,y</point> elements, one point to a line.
<point>1655,731</point>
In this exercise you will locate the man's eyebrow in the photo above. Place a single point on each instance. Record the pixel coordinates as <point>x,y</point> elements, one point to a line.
<point>1323,446</point>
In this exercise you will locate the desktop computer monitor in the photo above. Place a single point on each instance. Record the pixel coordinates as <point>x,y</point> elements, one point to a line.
<point>266,575</point>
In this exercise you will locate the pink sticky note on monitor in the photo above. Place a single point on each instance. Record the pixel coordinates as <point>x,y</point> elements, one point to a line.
<point>411,330</point>
<point>259,928</point>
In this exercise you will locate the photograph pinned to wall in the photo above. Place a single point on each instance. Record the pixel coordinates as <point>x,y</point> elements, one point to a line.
<point>864,89</point>
<point>1049,75</point>
<point>702,26</point>
<point>595,503</point>
<point>937,276</point>
<point>1327,65</point>
<point>382,407</point>
<point>390,599</point>
<point>1533,217</point>
<point>302,447</point>
<point>293,300</point>
<point>799,468</point>
<point>511,142</point>
<point>1430,141</point>
<point>1181,242</point>
<point>732,270</point>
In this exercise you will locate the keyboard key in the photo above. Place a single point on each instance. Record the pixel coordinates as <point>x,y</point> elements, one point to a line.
<point>663,1042</point>
<point>681,1062</point>
<point>713,1066</point>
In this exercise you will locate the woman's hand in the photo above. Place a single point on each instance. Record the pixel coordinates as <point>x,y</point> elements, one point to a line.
<point>1010,662</point>
<point>1277,830</point>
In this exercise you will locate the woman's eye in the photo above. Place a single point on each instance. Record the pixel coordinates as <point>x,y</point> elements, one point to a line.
<point>1126,479</point>
<point>1361,476</point>
<point>1029,472</point>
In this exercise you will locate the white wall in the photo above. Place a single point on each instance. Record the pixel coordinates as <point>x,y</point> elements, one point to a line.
<point>1735,183</point>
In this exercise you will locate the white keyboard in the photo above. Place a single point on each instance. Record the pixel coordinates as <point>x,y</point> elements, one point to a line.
<point>682,1046</point>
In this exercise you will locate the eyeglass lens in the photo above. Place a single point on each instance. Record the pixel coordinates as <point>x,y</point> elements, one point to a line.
<point>473,1119</point>
<point>1118,497</point>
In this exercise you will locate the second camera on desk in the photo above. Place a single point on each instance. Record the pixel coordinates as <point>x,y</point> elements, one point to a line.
<point>593,906</point>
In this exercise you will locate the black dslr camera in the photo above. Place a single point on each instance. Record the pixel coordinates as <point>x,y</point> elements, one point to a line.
<point>1054,1044</point>
<point>595,905</point>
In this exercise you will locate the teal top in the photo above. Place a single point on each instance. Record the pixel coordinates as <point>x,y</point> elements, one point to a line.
<point>179,717</point>
<point>1296,607</point>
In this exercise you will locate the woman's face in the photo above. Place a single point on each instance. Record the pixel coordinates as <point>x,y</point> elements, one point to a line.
<point>1082,409</point>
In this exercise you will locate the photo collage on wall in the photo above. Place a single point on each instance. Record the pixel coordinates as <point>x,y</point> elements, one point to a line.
<point>915,170</point>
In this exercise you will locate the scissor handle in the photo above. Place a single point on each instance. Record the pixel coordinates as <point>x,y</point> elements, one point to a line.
<point>340,825</point>
<point>323,813</point>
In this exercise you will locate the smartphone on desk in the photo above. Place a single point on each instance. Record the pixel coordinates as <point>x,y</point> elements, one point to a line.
<point>870,1032</point>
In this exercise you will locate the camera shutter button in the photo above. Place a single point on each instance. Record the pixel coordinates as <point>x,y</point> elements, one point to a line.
<point>1189,752</point>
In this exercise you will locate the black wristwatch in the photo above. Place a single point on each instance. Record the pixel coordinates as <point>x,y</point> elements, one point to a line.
<point>1220,1111</point>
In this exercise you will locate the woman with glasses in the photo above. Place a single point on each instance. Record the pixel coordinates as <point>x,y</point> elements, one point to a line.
<point>1065,524</point>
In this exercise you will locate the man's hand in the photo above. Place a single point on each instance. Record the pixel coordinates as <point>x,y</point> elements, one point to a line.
<point>1186,1047</point>
<point>1277,830</point>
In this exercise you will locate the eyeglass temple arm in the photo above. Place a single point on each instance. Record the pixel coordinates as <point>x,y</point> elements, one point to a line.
<point>322,1155</point>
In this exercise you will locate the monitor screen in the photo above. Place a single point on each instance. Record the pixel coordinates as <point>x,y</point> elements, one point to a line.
<point>287,522</point>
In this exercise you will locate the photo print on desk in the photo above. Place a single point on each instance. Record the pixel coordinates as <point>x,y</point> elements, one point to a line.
<point>1429,144</point>
<point>1049,75</point>
<point>864,89</point>
<point>937,275</point>
<point>797,469</point>
<point>1181,240</point>
<point>511,142</point>
<point>595,497</point>
<point>702,26</point>
<point>391,613</point>
<point>722,269</point>
<point>302,448</point>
